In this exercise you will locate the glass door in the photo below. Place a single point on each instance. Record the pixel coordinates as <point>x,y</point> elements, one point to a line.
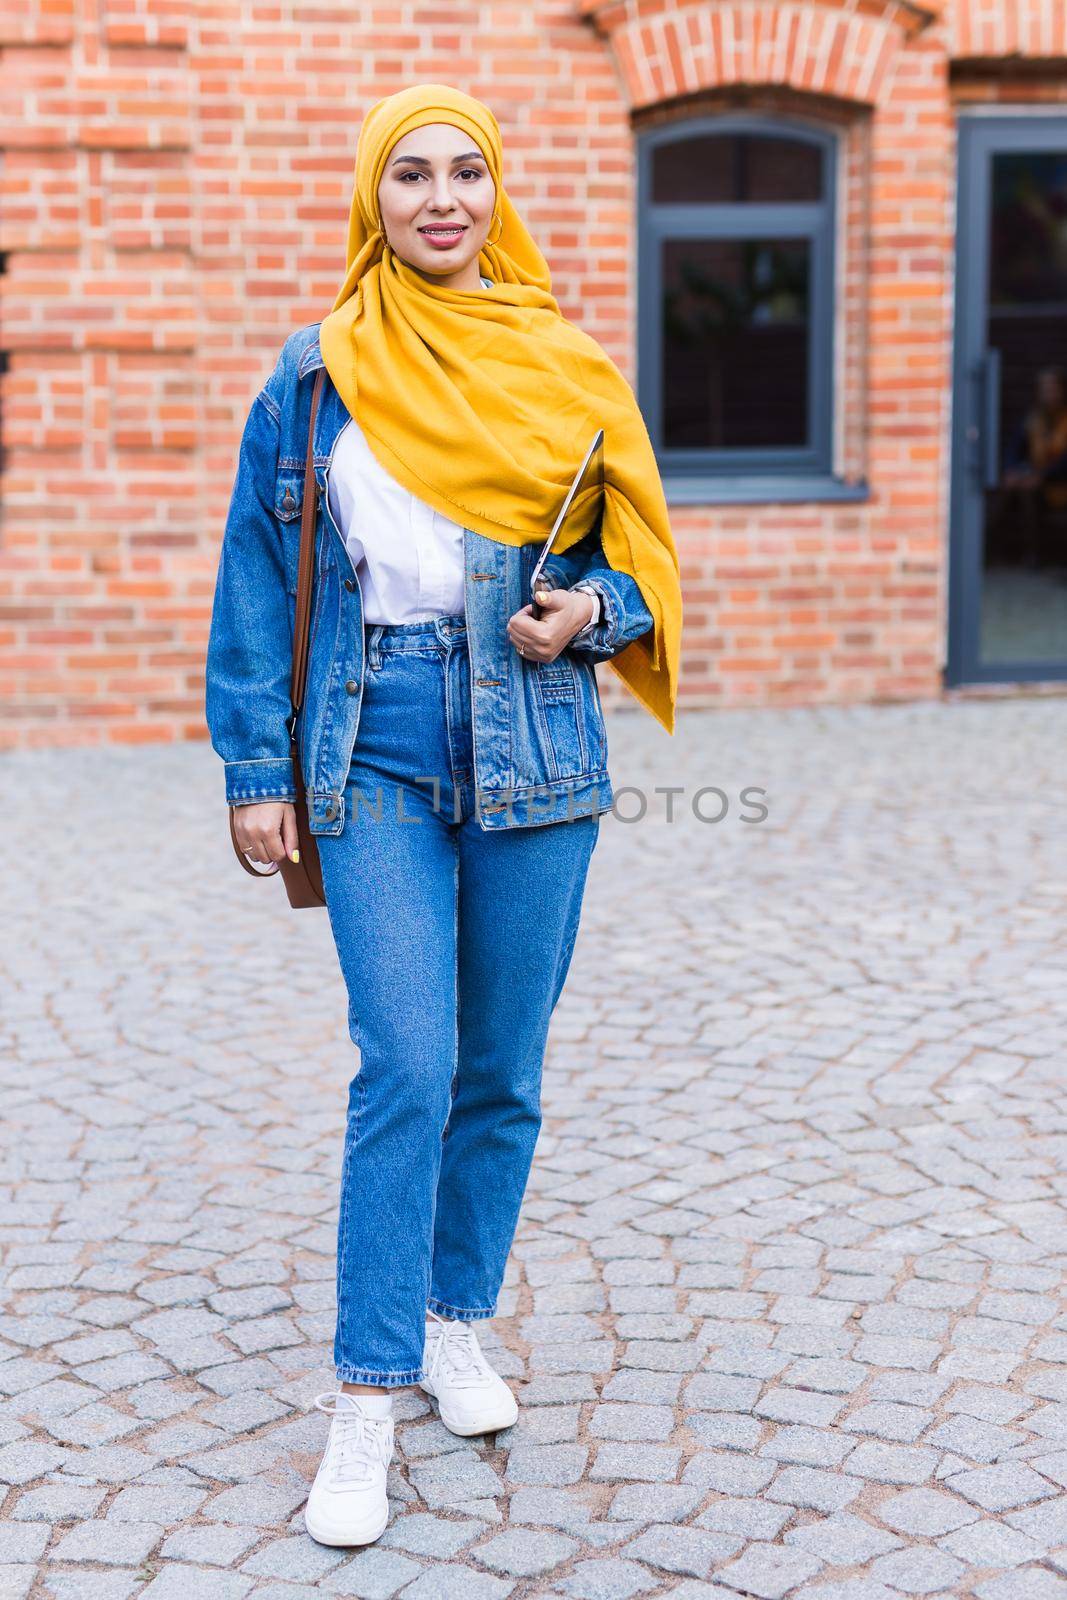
<point>1008,547</point>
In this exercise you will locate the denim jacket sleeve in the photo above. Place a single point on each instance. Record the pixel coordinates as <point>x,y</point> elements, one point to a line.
<point>250,643</point>
<point>624,616</point>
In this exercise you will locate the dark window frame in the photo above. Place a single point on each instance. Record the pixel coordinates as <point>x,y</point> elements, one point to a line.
<point>763,473</point>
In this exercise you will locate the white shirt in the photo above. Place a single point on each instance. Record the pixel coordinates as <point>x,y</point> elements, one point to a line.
<point>408,557</point>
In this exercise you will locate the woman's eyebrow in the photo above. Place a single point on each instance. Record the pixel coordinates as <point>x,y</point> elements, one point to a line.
<point>421,161</point>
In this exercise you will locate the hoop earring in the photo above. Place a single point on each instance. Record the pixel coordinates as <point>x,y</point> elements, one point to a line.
<point>499,219</point>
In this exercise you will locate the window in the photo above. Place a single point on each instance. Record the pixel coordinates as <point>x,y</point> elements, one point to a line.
<point>735,303</point>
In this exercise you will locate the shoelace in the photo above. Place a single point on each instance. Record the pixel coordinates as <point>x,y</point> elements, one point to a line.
<point>456,1349</point>
<point>356,1440</point>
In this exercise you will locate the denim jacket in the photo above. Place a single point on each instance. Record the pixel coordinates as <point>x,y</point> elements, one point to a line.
<point>540,749</point>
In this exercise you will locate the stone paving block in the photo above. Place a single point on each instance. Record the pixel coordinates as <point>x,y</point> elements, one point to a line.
<point>277,1589</point>
<point>29,1459</point>
<point>217,1545</point>
<point>747,1358</point>
<point>890,1350</point>
<point>808,1447</point>
<point>1005,1487</point>
<point>991,1544</point>
<point>57,1503</point>
<point>1046,1522</point>
<point>925,1512</point>
<point>1030,1309</point>
<point>654,1502</point>
<point>751,1519</point>
<point>843,1540</point>
<point>549,1508</point>
<point>298,1559</point>
<point>884,1420</point>
<point>524,1552</point>
<point>143,1503</point>
<point>119,1544</point>
<point>643,1388</point>
<point>375,1574</point>
<point>95,1423</point>
<point>79,1583</point>
<point>826,1375</point>
<point>813,1489</point>
<point>19,1376</point>
<point>605,1579</point>
<point>182,1582</point>
<point>716,1391</point>
<point>452,1480</point>
<point>548,1464</point>
<point>422,1534</point>
<point>16,1580</point>
<point>631,1422</point>
<point>694,1551</point>
<point>650,1463</point>
<point>728,1473</point>
<point>891,1463</point>
<point>974,1440</point>
<point>1026,1583</point>
<point>108,1463</point>
<point>798,1405</point>
<point>262,1505</point>
<point>769,1571</point>
<point>1049,1421</point>
<point>918,1571</point>
<point>22,1542</point>
<point>724,1428</point>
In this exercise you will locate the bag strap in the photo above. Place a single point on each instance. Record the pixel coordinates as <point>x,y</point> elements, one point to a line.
<point>306,568</point>
<point>302,622</point>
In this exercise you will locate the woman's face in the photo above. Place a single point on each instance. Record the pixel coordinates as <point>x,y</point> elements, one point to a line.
<point>1050,389</point>
<point>437,198</point>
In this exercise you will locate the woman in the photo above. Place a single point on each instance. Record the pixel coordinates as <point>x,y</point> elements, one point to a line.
<point>458,407</point>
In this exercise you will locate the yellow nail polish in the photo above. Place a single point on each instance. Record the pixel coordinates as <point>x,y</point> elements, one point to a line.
<point>296,855</point>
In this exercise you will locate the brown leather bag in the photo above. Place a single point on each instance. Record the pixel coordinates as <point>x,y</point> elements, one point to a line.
<point>303,878</point>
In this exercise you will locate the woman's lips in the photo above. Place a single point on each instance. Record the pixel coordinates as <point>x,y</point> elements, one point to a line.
<point>442,238</point>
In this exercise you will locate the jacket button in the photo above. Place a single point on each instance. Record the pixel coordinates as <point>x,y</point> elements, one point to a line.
<point>349,585</point>
<point>330,810</point>
<point>352,686</point>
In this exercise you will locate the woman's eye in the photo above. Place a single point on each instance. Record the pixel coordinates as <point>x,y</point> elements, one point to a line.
<point>465,172</point>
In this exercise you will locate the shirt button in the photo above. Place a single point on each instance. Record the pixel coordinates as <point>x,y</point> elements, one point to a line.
<point>352,686</point>
<point>349,585</point>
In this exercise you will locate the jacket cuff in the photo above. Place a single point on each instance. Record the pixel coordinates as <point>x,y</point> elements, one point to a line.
<point>248,782</point>
<point>598,608</point>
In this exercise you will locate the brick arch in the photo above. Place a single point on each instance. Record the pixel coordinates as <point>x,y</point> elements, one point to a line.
<point>989,30</point>
<point>826,47</point>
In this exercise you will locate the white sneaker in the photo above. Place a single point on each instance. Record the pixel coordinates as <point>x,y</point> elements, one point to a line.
<point>347,1504</point>
<point>470,1396</point>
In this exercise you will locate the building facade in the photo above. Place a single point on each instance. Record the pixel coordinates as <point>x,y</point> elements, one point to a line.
<point>827,243</point>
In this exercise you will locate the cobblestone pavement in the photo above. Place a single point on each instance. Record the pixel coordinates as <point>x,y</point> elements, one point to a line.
<point>786,1309</point>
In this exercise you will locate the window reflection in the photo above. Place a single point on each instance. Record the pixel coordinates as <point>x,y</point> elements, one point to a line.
<point>735,342</point>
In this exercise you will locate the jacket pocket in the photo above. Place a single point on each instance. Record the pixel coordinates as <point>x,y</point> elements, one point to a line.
<point>590,714</point>
<point>556,679</point>
<point>288,506</point>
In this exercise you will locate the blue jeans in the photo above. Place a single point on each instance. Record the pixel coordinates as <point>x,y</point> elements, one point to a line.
<point>454,943</point>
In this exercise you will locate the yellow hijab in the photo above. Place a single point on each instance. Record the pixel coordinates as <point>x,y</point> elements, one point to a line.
<point>481,403</point>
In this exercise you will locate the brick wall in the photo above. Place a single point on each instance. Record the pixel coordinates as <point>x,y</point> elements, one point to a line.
<point>175,191</point>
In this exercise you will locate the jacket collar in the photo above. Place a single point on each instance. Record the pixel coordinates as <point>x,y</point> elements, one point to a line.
<point>311,358</point>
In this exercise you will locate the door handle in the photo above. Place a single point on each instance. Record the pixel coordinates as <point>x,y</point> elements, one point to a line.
<point>984,434</point>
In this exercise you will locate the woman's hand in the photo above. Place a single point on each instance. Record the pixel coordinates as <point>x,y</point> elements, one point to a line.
<point>564,613</point>
<point>266,831</point>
